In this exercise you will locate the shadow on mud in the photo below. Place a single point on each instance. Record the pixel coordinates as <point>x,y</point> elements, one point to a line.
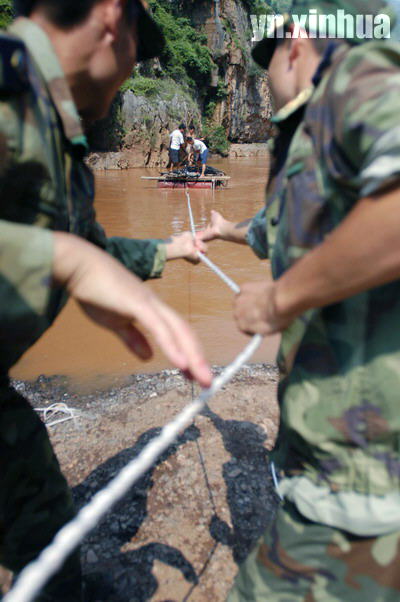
<point>127,576</point>
<point>250,493</point>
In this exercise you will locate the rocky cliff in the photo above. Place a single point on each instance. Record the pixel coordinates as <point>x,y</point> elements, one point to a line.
<point>245,111</point>
<point>206,76</point>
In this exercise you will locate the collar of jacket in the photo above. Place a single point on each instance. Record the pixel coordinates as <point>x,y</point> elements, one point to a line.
<point>292,106</point>
<point>45,57</point>
<point>334,53</point>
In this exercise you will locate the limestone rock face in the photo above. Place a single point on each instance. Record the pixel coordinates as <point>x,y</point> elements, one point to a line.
<point>137,130</point>
<point>140,130</point>
<point>246,110</point>
<point>148,124</point>
<point>249,150</point>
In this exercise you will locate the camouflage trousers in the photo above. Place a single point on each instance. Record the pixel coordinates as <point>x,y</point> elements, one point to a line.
<point>35,501</point>
<point>298,560</point>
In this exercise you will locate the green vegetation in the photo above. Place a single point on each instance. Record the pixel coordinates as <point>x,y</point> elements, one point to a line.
<point>6,13</point>
<point>259,7</point>
<point>187,65</point>
<point>186,57</point>
<point>221,91</point>
<point>210,109</point>
<point>142,86</point>
<point>164,89</point>
<point>217,139</point>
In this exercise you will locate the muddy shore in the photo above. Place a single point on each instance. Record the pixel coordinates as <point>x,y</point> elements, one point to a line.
<point>140,156</point>
<point>182,530</point>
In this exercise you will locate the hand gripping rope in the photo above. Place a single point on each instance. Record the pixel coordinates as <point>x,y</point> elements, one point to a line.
<point>232,285</point>
<point>35,576</point>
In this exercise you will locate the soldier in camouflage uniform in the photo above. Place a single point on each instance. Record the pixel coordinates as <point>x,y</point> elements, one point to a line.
<point>63,64</point>
<point>330,229</point>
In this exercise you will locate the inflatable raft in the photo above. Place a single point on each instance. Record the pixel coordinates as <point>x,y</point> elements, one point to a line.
<point>187,178</point>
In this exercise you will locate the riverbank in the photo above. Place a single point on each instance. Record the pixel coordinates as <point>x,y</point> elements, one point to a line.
<point>141,156</point>
<point>180,532</point>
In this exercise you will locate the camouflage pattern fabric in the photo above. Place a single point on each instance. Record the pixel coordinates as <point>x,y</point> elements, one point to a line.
<point>339,418</point>
<point>44,186</point>
<point>302,561</point>
<point>256,235</point>
<point>35,501</point>
<point>44,182</point>
<point>339,365</point>
<point>287,121</point>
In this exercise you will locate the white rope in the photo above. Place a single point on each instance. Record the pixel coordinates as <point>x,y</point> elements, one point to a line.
<point>58,408</point>
<point>35,576</point>
<point>192,225</point>
<point>236,289</point>
<point>232,285</point>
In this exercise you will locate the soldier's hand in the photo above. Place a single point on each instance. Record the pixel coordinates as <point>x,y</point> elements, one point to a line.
<point>183,246</point>
<point>214,230</point>
<point>256,309</point>
<point>116,299</point>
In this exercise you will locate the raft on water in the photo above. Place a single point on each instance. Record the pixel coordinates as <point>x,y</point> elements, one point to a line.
<point>186,178</point>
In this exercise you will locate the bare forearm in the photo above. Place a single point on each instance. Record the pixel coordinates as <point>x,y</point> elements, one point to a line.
<point>70,257</point>
<point>183,246</point>
<point>362,253</point>
<point>235,232</point>
<point>116,299</point>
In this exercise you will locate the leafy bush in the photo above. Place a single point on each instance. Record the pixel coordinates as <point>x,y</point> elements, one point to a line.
<point>217,139</point>
<point>145,86</point>
<point>142,86</point>
<point>186,56</point>
<point>165,88</point>
<point>210,109</point>
<point>222,90</point>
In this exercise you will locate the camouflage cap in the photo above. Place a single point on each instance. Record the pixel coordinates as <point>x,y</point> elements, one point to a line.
<point>306,14</point>
<point>151,38</point>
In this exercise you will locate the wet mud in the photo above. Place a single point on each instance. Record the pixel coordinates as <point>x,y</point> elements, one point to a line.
<point>181,531</point>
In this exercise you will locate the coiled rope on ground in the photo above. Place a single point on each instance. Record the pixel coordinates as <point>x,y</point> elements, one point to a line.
<point>35,576</point>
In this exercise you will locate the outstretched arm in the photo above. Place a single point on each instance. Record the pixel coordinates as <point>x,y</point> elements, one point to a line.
<point>146,257</point>
<point>361,254</point>
<point>116,299</point>
<point>221,229</point>
<point>182,246</point>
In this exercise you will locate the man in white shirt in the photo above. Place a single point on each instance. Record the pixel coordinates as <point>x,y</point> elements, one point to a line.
<point>177,141</point>
<point>201,153</point>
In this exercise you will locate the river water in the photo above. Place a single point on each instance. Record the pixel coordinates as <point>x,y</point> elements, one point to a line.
<point>129,206</point>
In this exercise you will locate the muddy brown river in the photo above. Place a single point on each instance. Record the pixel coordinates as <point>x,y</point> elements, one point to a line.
<point>129,206</point>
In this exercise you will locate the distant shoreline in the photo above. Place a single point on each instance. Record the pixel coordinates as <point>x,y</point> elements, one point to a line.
<point>135,157</point>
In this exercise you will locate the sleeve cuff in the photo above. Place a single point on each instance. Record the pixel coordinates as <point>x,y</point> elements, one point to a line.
<point>256,236</point>
<point>160,259</point>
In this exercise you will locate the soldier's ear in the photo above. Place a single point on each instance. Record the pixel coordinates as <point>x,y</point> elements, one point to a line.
<point>296,48</point>
<point>112,12</point>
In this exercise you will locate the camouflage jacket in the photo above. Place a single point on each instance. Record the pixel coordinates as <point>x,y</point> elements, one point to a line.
<point>340,365</point>
<point>44,185</point>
